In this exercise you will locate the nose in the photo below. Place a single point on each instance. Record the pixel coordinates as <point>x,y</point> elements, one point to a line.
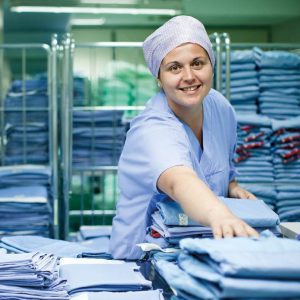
<point>188,74</point>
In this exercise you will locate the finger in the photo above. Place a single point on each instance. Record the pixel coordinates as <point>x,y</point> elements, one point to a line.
<point>227,231</point>
<point>241,194</point>
<point>251,196</point>
<point>251,232</point>
<point>240,230</point>
<point>217,232</point>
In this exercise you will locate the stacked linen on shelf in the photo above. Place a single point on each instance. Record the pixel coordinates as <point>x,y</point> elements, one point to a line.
<point>244,88</point>
<point>26,199</point>
<point>98,137</point>
<point>24,175</point>
<point>234,268</point>
<point>31,276</point>
<point>253,152</point>
<point>26,122</point>
<point>286,147</point>
<point>25,210</point>
<point>79,90</point>
<point>288,202</point>
<point>26,143</point>
<point>263,192</point>
<point>127,84</point>
<point>170,224</point>
<point>279,83</point>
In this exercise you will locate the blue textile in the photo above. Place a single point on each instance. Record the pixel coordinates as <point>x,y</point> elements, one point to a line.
<point>253,212</point>
<point>103,277</point>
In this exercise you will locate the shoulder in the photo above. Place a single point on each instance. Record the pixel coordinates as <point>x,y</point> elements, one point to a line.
<point>214,97</point>
<point>220,105</point>
<point>151,120</point>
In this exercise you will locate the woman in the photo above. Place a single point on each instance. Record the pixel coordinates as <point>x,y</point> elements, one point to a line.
<point>181,145</point>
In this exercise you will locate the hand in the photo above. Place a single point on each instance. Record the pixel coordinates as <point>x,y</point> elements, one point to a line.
<point>231,226</point>
<point>236,191</point>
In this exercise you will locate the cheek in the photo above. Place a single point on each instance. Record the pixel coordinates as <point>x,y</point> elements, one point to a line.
<point>171,83</point>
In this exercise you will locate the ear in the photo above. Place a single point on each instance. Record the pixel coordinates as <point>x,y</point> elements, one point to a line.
<point>159,83</point>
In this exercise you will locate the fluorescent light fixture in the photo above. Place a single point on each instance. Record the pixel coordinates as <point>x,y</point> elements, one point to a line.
<point>87,22</point>
<point>96,10</point>
<point>109,1</point>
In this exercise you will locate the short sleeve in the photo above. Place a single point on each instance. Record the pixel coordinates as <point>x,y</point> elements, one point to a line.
<point>151,148</point>
<point>232,168</point>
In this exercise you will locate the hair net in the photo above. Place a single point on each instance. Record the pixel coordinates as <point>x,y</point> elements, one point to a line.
<point>176,31</point>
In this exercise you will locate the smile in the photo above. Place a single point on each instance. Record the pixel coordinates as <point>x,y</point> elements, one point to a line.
<point>190,88</point>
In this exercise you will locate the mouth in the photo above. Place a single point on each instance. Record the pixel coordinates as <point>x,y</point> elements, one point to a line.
<point>190,88</point>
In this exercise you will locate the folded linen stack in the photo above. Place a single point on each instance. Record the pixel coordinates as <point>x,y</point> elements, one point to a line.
<point>263,192</point>
<point>26,122</point>
<point>233,268</point>
<point>253,152</point>
<point>26,199</point>
<point>103,276</point>
<point>98,137</point>
<point>286,149</point>
<point>31,276</point>
<point>244,88</point>
<point>25,211</point>
<point>125,83</point>
<point>60,248</point>
<point>279,81</point>
<point>170,224</point>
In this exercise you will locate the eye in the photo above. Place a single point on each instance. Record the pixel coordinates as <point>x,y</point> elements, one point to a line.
<point>198,63</point>
<point>174,68</point>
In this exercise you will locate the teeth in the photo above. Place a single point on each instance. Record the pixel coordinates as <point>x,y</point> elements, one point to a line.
<point>190,88</point>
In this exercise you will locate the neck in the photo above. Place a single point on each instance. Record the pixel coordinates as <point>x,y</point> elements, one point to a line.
<point>193,117</point>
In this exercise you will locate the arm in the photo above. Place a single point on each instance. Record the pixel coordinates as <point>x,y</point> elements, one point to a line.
<point>235,191</point>
<point>198,202</point>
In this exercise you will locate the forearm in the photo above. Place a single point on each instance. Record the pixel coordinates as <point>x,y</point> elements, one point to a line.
<point>195,198</point>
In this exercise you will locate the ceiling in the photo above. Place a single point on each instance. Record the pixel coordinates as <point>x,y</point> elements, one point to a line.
<point>213,13</point>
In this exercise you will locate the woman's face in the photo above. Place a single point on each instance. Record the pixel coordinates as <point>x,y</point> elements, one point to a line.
<point>186,76</point>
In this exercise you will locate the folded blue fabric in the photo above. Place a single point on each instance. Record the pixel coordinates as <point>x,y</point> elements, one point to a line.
<point>265,257</point>
<point>141,295</point>
<point>255,212</point>
<point>103,277</point>
<point>182,281</point>
<point>228,287</point>
<point>31,243</point>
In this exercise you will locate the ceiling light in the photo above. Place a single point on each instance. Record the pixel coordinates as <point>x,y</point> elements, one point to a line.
<point>109,1</point>
<point>96,10</point>
<point>87,22</point>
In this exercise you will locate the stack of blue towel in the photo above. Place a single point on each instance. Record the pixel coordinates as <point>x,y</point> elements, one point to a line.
<point>26,200</point>
<point>244,88</point>
<point>26,122</point>
<point>98,137</point>
<point>286,148</point>
<point>170,224</point>
<point>234,268</point>
<point>279,83</point>
<point>253,152</point>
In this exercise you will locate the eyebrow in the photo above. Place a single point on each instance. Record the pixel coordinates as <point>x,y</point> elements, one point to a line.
<point>177,62</point>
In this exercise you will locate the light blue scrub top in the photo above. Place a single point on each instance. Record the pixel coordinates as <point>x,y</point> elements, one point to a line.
<point>158,140</point>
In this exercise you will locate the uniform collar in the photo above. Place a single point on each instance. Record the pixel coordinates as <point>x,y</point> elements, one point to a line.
<point>160,104</point>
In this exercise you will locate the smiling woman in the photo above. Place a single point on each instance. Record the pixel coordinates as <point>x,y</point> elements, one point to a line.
<point>181,146</point>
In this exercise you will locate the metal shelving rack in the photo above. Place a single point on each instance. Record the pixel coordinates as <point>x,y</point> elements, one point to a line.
<point>22,53</point>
